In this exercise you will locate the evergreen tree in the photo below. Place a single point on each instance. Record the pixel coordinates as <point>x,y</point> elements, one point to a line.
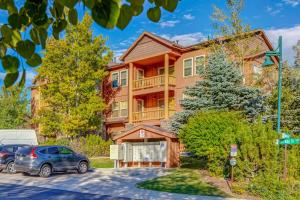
<point>221,88</point>
<point>72,71</point>
<point>14,108</point>
<point>296,48</point>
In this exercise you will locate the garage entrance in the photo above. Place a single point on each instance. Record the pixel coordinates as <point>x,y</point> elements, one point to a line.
<point>146,146</point>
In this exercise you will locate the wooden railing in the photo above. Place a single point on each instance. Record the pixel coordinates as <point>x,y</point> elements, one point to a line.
<point>155,114</point>
<point>153,81</point>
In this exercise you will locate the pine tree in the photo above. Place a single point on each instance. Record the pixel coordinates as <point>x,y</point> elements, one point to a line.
<point>73,69</point>
<point>296,48</point>
<point>221,89</point>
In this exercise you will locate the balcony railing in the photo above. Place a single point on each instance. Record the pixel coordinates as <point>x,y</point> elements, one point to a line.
<point>152,82</point>
<point>155,114</point>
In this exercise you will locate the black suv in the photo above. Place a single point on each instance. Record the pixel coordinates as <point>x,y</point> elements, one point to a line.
<point>7,156</point>
<point>45,160</point>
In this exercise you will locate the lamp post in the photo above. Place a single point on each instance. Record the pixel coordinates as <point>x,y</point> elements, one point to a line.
<point>268,61</point>
<point>278,52</point>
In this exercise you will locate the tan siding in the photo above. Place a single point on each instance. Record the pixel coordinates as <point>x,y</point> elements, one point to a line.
<point>145,48</point>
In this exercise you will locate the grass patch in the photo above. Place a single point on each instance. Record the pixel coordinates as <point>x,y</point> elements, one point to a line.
<point>184,181</point>
<point>101,163</point>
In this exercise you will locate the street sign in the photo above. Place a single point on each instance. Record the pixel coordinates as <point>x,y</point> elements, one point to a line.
<point>233,151</point>
<point>285,135</point>
<point>232,161</point>
<point>289,141</point>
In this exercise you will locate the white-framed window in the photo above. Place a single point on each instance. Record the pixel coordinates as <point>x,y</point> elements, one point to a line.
<point>140,74</point>
<point>123,108</point>
<point>124,77</point>
<point>200,65</point>
<point>115,110</point>
<point>188,67</point>
<point>256,70</point>
<point>115,79</point>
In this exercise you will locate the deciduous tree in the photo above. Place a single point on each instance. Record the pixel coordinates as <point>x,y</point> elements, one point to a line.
<point>70,82</point>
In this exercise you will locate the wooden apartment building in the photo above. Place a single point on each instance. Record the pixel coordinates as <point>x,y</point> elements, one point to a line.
<point>147,87</point>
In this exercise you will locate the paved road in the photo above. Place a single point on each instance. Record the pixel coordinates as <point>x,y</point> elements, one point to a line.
<point>21,192</point>
<point>101,184</point>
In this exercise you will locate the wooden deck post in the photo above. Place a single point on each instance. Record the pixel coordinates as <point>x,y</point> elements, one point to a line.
<point>130,95</point>
<point>166,89</point>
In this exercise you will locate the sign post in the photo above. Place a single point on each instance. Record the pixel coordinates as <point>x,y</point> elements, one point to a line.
<point>232,161</point>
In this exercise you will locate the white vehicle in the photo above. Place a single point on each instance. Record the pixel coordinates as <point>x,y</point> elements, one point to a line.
<point>18,136</point>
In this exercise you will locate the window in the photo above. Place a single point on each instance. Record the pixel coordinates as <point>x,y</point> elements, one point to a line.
<point>123,108</point>
<point>188,67</point>
<point>161,70</point>
<point>115,109</point>
<point>257,70</point>
<point>161,103</point>
<point>200,65</point>
<point>65,151</point>
<point>53,150</point>
<point>140,74</point>
<point>115,79</point>
<point>124,77</point>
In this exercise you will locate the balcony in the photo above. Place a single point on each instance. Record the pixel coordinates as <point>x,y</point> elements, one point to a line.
<point>155,114</point>
<point>154,81</point>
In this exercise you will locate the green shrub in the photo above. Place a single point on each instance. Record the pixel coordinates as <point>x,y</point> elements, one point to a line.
<point>91,145</point>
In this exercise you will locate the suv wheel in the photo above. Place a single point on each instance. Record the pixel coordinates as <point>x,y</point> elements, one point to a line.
<point>83,167</point>
<point>11,168</point>
<point>45,171</point>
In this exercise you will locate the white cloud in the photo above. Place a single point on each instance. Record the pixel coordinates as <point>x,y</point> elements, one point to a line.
<point>170,23</point>
<point>118,53</point>
<point>2,76</point>
<point>273,11</point>
<point>188,17</point>
<point>293,3</point>
<point>290,36</point>
<point>186,39</point>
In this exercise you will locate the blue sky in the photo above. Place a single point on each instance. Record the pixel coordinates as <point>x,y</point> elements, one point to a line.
<point>191,23</point>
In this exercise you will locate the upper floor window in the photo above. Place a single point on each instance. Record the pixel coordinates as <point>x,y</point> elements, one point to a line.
<point>257,70</point>
<point>124,77</point>
<point>123,108</point>
<point>115,109</point>
<point>161,70</point>
<point>188,67</point>
<point>200,65</point>
<point>115,79</point>
<point>119,109</point>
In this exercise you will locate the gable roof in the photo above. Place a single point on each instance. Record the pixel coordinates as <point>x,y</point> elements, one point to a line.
<point>154,129</point>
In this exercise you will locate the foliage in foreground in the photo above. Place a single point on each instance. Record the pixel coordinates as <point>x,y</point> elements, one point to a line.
<point>14,111</point>
<point>221,88</point>
<point>38,17</point>
<point>184,181</point>
<point>101,162</point>
<point>91,145</point>
<point>209,135</point>
<point>69,82</point>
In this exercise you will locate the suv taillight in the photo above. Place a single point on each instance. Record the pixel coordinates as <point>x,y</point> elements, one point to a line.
<point>3,154</point>
<point>33,154</point>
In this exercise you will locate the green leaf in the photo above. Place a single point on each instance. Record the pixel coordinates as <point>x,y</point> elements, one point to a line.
<point>137,10</point>
<point>22,81</point>
<point>126,14</point>
<point>43,34</point>
<point>159,2</point>
<point>15,21</point>
<point>106,13</point>
<point>15,37</point>
<point>73,16</point>
<point>68,3</point>
<point>2,50</point>
<point>136,2</point>
<point>10,79</point>
<point>154,14</point>
<point>25,48</point>
<point>170,5</point>
<point>89,3</point>
<point>34,35</point>
<point>6,34</point>
<point>35,60</point>
<point>10,63</point>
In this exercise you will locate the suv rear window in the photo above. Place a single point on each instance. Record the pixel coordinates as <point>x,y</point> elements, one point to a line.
<point>25,150</point>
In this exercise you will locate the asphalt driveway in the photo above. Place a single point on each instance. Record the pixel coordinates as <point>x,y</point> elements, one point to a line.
<point>101,183</point>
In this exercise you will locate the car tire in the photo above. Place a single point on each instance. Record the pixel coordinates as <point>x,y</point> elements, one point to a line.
<point>83,167</point>
<point>10,168</point>
<point>45,171</point>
